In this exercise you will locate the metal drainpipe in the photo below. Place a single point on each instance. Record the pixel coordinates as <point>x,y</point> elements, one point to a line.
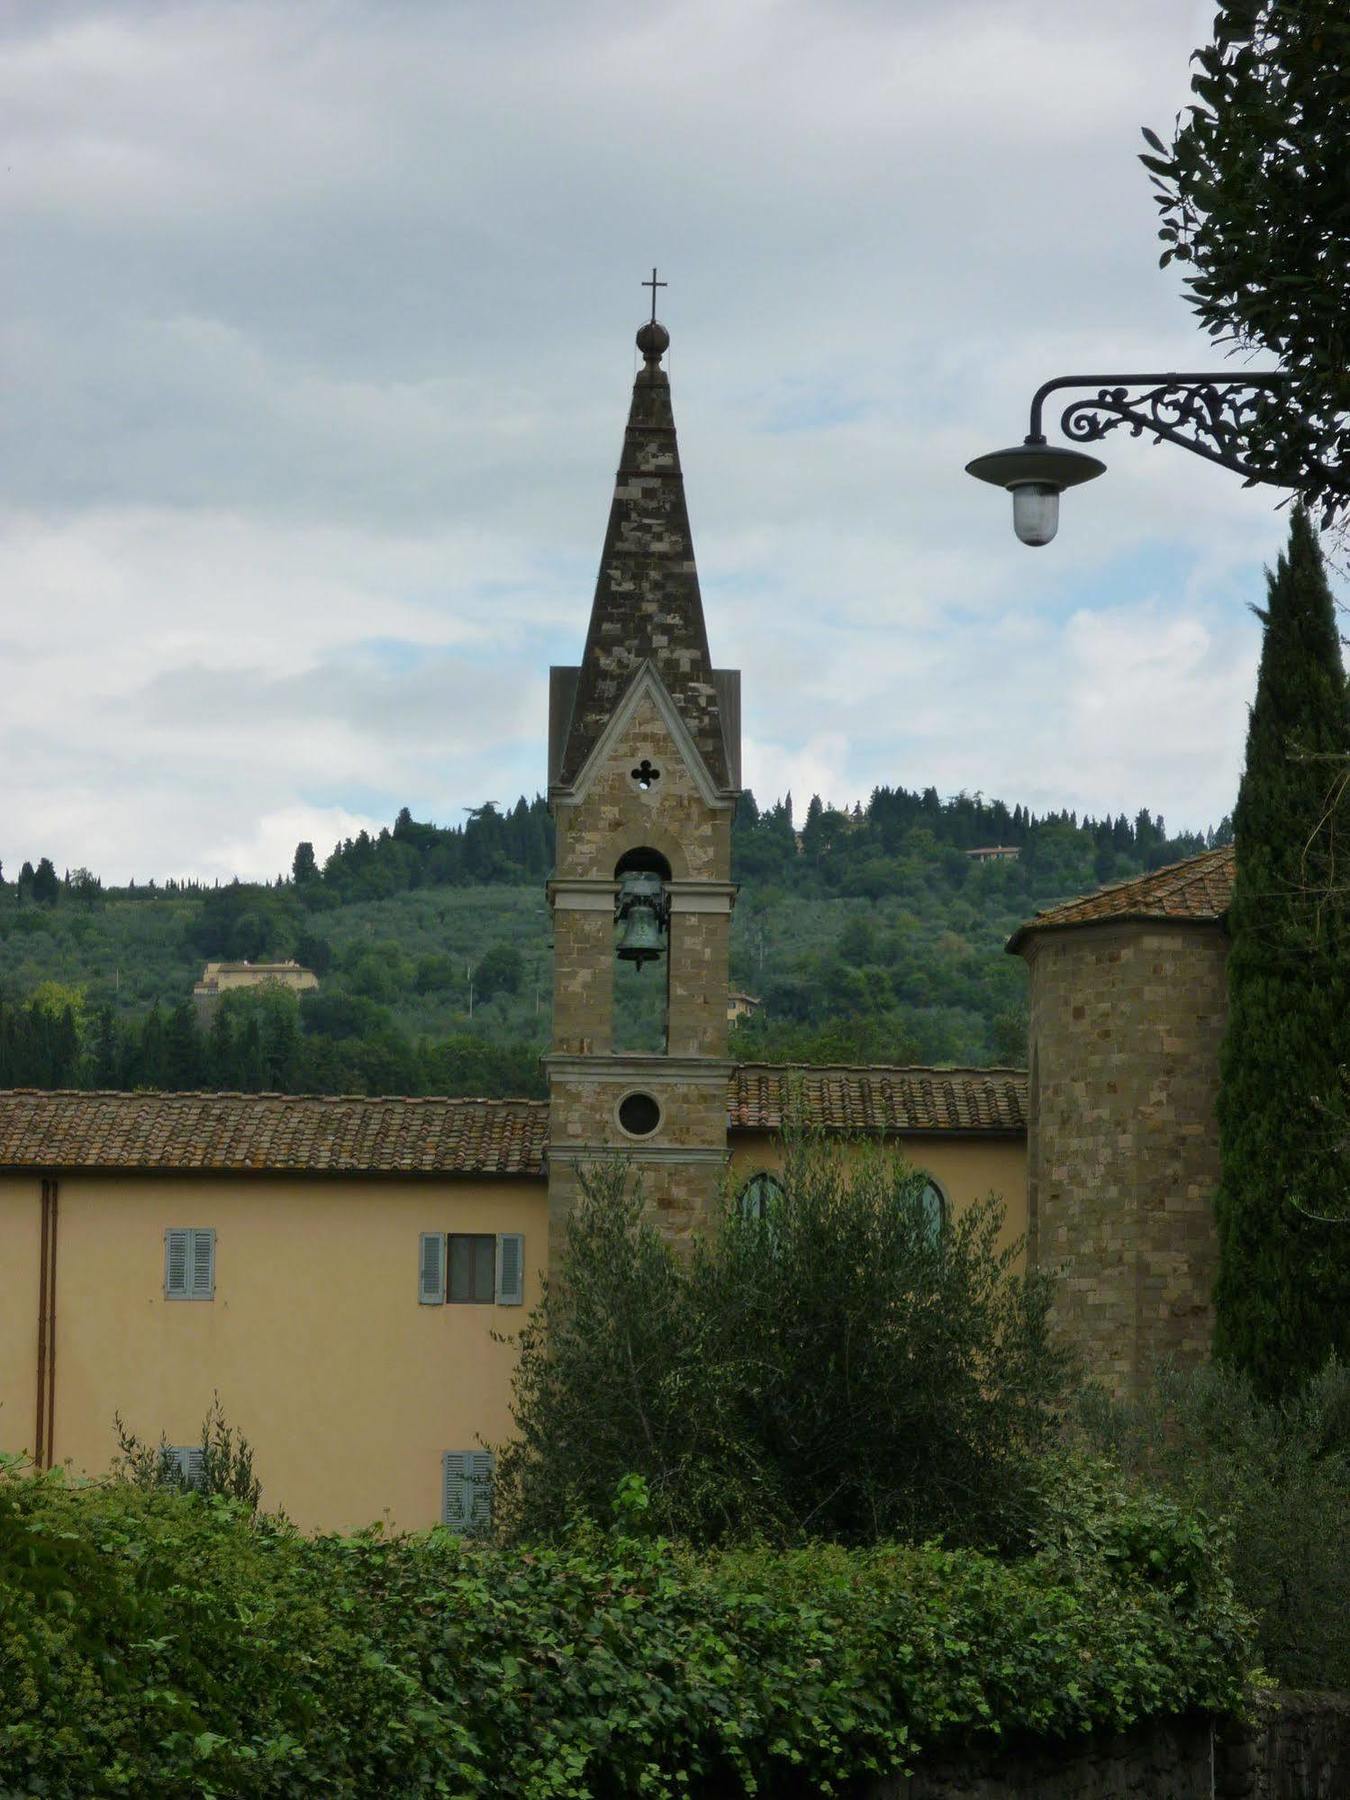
<point>51,1324</point>
<point>39,1436</point>
<point>46,1346</point>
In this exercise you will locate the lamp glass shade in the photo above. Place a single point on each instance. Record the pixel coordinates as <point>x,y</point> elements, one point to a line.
<point>1035,511</point>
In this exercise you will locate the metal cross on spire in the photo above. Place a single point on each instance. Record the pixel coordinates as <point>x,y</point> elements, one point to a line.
<point>653,284</point>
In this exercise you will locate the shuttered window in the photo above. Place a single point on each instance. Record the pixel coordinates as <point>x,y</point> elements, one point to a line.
<point>189,1263</point>
<point>431,1269</point>
<point>471,1268</point>
<point>510,1268</point>
<point>186,1460</point>
<point>466,1490</point>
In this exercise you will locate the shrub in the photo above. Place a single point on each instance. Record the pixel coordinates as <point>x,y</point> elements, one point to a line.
<point>225,1463</point>
<point>1280,1473</point>
<point>834,1369</point>
<point>155,1643</point>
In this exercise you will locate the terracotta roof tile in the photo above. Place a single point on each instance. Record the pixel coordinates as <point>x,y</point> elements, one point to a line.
<point>1197,890</point>
<point>356,1135</point>
<point>878,1098</point>
<point>279,1133</point>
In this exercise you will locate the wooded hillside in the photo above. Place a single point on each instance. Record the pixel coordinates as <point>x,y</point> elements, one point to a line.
<point>868,935</point>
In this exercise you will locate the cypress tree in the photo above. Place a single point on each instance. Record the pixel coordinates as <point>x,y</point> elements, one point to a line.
<point>1282,1300</point>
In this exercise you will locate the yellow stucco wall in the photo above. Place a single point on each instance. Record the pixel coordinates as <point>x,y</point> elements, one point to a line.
<point>965,1168</point>
<point>347,1388</point>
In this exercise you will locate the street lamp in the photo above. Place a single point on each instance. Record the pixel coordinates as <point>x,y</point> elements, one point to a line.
<point>1206,414</point>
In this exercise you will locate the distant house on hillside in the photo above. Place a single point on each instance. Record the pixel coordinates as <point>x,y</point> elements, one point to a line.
<point>742,1006</point>
<point>995,853</point>
<point>224,977</point>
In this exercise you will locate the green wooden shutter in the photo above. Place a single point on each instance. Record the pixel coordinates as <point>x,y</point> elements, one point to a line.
<point>189,1263</point>
<point>176,1264</point>
<point>188,1462</point>
<point>431,1269</point>
<point>203,1265</point>
<point>510,1268</point>
<point>466,1490</point>
<point>480,1489</point>
<point>455,1490</point>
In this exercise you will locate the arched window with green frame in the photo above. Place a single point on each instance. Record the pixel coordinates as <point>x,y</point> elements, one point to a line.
<point>760,1196</point>
<point>933,1203</point>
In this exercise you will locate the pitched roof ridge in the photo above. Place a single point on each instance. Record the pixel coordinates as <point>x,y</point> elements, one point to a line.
<point>1184,870</point>
<point>70,1093</point>
<point>389,1134</point>
<point>1139,896</point>
<point>892,1068</point>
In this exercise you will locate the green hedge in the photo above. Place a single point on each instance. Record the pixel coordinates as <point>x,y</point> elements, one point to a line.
<point>154,1643</point>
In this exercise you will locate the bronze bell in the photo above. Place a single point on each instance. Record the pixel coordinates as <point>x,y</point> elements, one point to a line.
<point>640,910</point>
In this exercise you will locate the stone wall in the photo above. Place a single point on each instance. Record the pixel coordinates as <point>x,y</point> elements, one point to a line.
<point>615,814</point>
<point>1169,1760</point>
<point>681,1165</point>
<point>1296,1748</point>
<point>583,979</point>
<point>700,977</point>
<point>1126,1023</point>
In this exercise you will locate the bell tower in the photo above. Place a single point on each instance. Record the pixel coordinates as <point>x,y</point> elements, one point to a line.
<point>644,769</point>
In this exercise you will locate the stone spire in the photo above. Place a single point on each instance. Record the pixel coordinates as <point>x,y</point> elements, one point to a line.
<point>647,606</point>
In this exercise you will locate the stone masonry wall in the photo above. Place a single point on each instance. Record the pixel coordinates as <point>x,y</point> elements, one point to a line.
<point>671,816</point>
<point>583,982</point>
<point>700,979</point>
<point>1167,1760</point>
<point>1297,1747</point>
<point>680,1198</point>
<point>681,1165</point>
<point>1126,1023</point>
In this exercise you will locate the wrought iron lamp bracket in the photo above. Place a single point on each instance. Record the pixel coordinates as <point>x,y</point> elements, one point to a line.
<point>1207,414</point>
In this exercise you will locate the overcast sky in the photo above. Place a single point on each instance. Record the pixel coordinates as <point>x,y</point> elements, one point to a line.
<point>317,326</point>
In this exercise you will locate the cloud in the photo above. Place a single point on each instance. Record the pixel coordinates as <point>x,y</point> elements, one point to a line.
<point>316,327</point>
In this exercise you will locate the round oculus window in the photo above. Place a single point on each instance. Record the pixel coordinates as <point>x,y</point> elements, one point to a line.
<point>639,1115</point>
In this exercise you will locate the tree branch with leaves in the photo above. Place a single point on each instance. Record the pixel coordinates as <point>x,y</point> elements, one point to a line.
<point>1254,193</point>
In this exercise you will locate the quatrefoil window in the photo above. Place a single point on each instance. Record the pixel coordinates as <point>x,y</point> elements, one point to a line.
<point>646,775</point>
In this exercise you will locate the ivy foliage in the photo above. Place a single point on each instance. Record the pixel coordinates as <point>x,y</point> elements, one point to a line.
<point>1279,1473</point>
<point>1254,192</point>
<point>155,1643</point>
<point>833,1368</point>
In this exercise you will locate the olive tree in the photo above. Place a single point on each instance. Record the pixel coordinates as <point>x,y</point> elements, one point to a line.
<point>832,1364</point>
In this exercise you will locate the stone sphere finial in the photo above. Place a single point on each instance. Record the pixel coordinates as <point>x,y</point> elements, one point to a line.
<point>653,340</point>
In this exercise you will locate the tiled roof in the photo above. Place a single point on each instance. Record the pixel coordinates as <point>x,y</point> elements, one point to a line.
<point>277,1133</point>
<point>295,1134</point>
<point>878,1098</point>
<point>1197,890</point>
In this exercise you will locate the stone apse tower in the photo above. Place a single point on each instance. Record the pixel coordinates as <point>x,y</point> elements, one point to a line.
<point>1128,1007</point>
<point>644,770</point>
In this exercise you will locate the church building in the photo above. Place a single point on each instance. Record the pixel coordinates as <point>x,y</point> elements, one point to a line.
<point>342,1272</point>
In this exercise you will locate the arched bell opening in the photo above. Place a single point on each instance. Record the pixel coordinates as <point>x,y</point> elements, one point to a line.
<point>642,860</point>
<point>642,937</point>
